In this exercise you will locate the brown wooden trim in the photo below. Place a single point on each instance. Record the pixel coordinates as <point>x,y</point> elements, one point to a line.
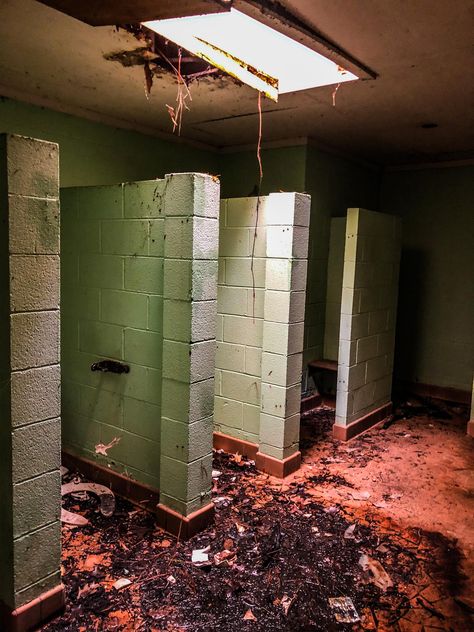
<point>34,613</point>
<point>276,467</point>
<point>232,445</point>
<point>181,526</point>
<point>446,393</point>
<point>344,433</point>
<point>324,365</point>
<point>140,494</point>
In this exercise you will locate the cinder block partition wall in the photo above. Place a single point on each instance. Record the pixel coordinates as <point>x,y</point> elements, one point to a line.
<point>139,286</point>
<point>335,267</point>
<point>368,313</point>
<point>260,328</point>
<point>30,581</point>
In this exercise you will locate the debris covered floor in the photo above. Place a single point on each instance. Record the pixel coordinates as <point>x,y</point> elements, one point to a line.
<point>384,520</point>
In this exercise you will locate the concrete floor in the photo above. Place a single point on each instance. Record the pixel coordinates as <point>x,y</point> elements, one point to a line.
<point>417,475</point>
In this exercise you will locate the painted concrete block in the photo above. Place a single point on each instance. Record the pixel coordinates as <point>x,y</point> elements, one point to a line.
<point>155,313</point>
<point>186,280</point>
<point>253,361</point>
<point>187,402</point>
<point>191,238</point>
<point>363,397</point>
<point>287,242</point>
<point>189,322</point>
<point>286,274</point>
<point>141,383</point>
<point>144,274</point>
<point>101,271</point>
<point>238,272</point>
<point>124,308</point>
<point>376,368</point>
<point>351,377</point>
<point>125,237</point>
<point>347,352</point>
<point>280,433</point>
<point>40,438</point>
<point>281,370</point>
<point>33,225</point>
<point>32,167</point>
<point>142,418</point>
<point>186,442</point>
<point>228,412</point>
<point>156,241</point>
<point>290,209</point>
<point>105,202</point>
<point>243,212</point>
<point>143,347</point>
<point>243,330</point>
<point>101,339</point>
<point>234,242</point>
<point>34,339</point>
<point>143,199</point>
<point>36,555</point>
<point>230,356</point>
<point>35,395</point>
<point>34,282</point>
<point>281,401</point>
<point>185,481</point>
<point>191,194</point>
<point>251,421</point>
<point>35,503</point>
<point>255,302</point>
<point>366,348</point>
<point>101,405</point>
<point>240,387</point>
<point>354,326</point>
<point>284,307</point>
<point>283,338</point>
<point>232,300</point>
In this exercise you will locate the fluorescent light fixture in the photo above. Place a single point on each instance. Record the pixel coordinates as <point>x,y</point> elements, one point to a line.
<point>252,52</point>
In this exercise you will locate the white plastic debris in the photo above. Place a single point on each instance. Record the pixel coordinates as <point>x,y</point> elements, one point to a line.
<point>103,448</point>
<point>121,583</point>
<point>349,532</point>
<point>379,575</point>
<point>200,557</point>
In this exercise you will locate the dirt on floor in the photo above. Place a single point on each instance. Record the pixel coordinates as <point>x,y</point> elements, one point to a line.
<point>373,534</point>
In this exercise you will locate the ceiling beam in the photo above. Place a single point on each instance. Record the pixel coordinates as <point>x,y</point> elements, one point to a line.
<point>111,12</point>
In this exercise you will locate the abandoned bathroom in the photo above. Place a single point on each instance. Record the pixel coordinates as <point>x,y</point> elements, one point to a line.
<point>236,332</point>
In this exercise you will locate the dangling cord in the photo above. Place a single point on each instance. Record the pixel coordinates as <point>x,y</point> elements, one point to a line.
<point>259,160</point>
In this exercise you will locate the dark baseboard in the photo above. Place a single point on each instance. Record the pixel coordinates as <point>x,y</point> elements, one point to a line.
<point>184,527</point>
<point>33,614</point>
<point>232,445</point>
<point>344,433</point>
<point>278,467</point>
<point>139,494</point>
<point>445,393</point>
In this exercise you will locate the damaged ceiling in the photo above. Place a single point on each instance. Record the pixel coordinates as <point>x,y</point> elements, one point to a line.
<point>418,109</point>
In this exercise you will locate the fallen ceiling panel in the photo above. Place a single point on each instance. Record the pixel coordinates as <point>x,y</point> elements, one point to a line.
<point>111,12</point>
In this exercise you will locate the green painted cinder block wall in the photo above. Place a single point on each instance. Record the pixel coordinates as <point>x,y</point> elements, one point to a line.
<point>435,334</point>
<point>92,153</point>
<point>111,304</point>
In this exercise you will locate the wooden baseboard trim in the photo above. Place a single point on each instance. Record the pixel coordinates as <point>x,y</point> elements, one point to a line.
<point>309,403</point>
<point>445,393</point>
<point>276,467</point>
<point>232,445</point>
<point>184,527</point>
<point>470,428</point>
<point>139,494</point>
<point>34,613</point>
<point>344,433</point>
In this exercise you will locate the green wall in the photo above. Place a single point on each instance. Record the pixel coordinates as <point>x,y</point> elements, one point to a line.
<point>92,153</point>
<point>435,337</point>
<point>111,307</point>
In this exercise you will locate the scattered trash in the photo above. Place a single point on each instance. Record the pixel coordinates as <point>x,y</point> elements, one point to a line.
<point>63,470</point>
<point>121,583</point>
<point>349,532</point>
<point>380,577</point>
<point>200,557</point>
<point>102,448</point>
<point>87,589</point>
<point>249,616</point>
<point>216,473</point>
<point>225,557</point>
<point>73,519</point>
<point>344,610</point>
<point>171,580</point>
<point>106,497</point>
<point>222,502</point>
<point>286,603</point>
